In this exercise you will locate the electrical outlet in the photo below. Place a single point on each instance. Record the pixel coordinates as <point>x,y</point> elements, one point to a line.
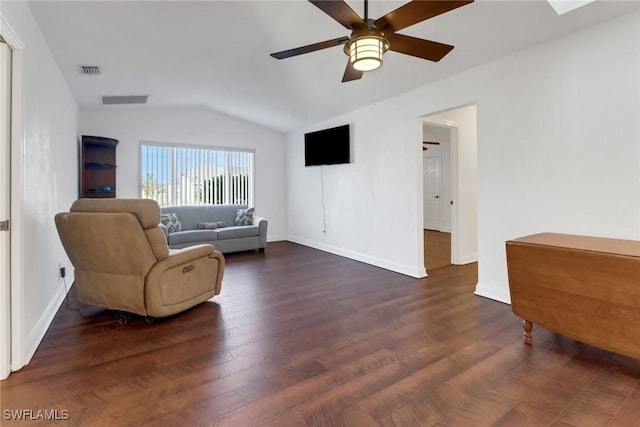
<point>63,272</point>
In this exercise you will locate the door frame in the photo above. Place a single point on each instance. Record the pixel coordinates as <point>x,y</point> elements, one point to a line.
<point>463,124</point>
<point>15,354</point>
<point>5,214</point>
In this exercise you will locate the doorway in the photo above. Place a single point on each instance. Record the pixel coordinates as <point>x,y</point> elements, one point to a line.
<point>436,166</point>
<point>452,136</point>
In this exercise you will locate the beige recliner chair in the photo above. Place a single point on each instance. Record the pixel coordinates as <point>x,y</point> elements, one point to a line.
<point>122,260</point>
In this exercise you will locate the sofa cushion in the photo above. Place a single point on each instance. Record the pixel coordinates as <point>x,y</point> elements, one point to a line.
<point>235,232</point>
<point>210,225</point>
<point>192,236</point>
<point>171,222</point>
<point>244,216</point>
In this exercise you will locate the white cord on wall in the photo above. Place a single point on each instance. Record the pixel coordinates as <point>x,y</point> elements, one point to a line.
<point>324,209</point>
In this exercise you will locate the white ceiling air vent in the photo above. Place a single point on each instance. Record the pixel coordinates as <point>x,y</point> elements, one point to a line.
<point>89,70</point>
<point>127,99</point>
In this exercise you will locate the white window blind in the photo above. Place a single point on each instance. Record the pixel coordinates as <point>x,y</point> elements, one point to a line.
<point>175,175</point>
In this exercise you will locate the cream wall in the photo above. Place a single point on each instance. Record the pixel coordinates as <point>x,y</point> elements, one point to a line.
<point>196,126</point>
<point>543,117</point>
<point>44,182</point>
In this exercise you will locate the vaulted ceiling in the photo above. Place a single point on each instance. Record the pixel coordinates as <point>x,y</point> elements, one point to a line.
<point>215,54</point>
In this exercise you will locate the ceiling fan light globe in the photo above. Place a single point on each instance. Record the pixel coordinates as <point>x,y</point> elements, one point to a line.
<point>365,53</point>
<point>367,64</point>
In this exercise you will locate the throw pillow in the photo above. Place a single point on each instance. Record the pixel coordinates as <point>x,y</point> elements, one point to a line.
<point>244,216</point>
<point>171,222</point>
<point>210,225</point>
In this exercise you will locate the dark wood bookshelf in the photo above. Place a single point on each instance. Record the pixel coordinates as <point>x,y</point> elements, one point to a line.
<point>98,167</point>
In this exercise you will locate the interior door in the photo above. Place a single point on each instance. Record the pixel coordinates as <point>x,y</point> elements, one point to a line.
<point>431,199</point>
<point>5,175</point>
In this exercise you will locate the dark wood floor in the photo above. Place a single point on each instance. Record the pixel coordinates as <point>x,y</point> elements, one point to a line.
<point>300,337</point>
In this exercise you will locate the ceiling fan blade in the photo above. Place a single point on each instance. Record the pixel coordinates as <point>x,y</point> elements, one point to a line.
<point>351,73</point>
<point>425,49</point>
<point>341,12</point>
<point>310,48</point>
<point>416,11</point>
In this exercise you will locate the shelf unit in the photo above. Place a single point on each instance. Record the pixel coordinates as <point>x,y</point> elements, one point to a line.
<point>98,167</point>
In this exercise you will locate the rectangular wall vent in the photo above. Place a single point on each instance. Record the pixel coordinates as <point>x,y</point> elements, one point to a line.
<point>128,99</point>
<point>89,70</point>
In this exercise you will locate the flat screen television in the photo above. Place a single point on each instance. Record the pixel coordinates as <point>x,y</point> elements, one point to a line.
<point>327,146</point>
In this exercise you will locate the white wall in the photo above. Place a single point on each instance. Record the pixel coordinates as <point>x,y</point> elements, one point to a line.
<point>44,182</point>
<point>198,126</point>
<point>370,204</point>
<point>559,144</point>
<point>544,116</point>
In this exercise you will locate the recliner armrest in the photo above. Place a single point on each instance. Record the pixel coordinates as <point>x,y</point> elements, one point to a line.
<point>181,256</point>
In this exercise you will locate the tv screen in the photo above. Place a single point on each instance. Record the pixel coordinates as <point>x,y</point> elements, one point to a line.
<point>327,147</point>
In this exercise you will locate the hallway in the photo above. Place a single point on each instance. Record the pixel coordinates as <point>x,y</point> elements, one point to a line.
<point>437,249</point>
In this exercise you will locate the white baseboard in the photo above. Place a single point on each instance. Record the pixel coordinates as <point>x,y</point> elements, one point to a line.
<point>467,259</point>
<point>37,333</point>
<point>408,270</point>
<point>276,237</point>
<point>497,293</point>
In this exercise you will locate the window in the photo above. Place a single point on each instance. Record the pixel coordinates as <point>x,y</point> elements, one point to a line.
<point>186,175</point>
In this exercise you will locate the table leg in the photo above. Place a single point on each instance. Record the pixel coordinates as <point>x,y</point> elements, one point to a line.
<point>528,338</point>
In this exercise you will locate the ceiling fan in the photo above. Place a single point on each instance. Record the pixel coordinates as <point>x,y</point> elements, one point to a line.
<point>370,39</point>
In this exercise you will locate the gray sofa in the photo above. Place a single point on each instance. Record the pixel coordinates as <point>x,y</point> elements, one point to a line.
<point>230,238</point>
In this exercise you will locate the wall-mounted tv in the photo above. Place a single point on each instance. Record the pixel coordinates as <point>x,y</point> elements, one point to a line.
<point>327,147</point>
